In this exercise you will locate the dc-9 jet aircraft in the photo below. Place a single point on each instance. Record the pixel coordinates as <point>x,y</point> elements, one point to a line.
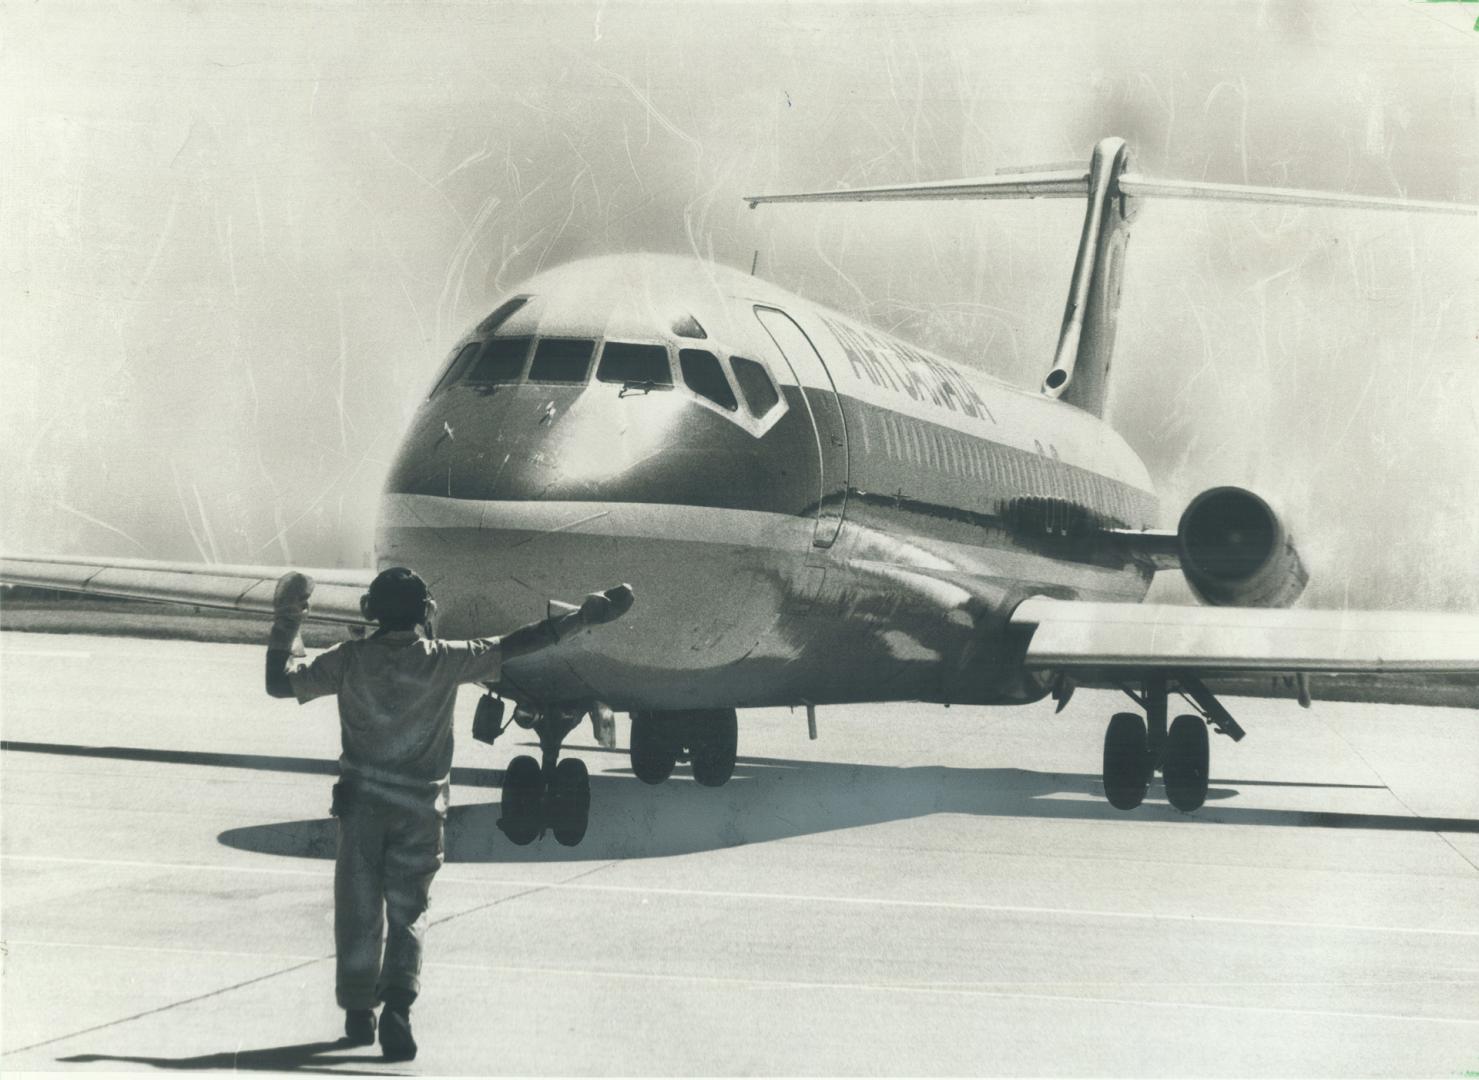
<point>812,511</point>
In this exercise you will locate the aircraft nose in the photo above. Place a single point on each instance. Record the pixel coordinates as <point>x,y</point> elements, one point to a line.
<point>460,444</point>
<point>506,496</point>
<point>498,496</point>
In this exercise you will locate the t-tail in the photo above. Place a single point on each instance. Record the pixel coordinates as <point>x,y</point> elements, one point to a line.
<point>1080,370</point>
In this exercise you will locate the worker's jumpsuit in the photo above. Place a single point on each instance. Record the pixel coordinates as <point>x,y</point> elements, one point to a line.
<point>396,693</point>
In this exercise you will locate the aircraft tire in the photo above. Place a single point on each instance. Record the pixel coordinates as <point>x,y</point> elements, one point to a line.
<point>713,742</point>
<point>1126,761</point>
<point>522,800</point>
<point>569,804</point>
<point>654,751</point>
<point>1186,763</point>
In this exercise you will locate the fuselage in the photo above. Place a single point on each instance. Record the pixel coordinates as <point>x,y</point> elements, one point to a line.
<point>810,510</point>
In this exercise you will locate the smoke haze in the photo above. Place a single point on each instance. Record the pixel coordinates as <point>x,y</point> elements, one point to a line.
<point>237,240</point>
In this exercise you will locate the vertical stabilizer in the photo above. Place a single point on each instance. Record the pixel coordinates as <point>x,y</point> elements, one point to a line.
<point>1080,372</point>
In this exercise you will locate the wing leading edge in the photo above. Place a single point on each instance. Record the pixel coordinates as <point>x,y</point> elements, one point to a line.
<point>227,587</point>
<point>1391,656</point>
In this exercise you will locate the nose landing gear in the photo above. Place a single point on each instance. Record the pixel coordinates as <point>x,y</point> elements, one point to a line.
<point>547,793</point>
<point>1136,747</point>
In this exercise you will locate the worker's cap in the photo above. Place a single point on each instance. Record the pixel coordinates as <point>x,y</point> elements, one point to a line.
<point>397,597</point>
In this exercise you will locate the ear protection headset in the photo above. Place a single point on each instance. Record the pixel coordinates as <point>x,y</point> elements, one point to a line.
<point>397,597</point>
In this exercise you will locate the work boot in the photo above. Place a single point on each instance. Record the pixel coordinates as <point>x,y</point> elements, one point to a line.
<point>396,1041</point>
<point>359,1027</point>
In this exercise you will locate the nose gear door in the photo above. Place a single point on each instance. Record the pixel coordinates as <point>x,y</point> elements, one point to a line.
<point>820,395</point>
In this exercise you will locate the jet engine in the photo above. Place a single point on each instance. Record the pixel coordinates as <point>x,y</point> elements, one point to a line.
<point>1235,551</point>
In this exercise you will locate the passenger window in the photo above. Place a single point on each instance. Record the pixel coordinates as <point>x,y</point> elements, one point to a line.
<point>458,365</point>
<point>502,360</point>
<point>704,376</point>
<point>754,383</point>
<point>501,314</point>
<point>562,360</point>
<point>624,362</point>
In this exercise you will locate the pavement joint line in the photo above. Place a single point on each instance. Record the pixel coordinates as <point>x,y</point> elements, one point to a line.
<point>574,884</point>
<point>167,1007</point>
<point>1401,801</point>
<point>281,971</point>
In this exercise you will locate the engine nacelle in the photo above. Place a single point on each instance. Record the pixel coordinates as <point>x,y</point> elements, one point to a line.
<point>1235,551</point>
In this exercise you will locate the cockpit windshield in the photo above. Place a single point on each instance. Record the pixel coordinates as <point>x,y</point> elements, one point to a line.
<point>562,360</point>
<point>642,365</point>
<point>501,361</point>
<point>738,386</point>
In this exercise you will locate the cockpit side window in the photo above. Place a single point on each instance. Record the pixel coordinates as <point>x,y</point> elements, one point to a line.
<point>562,360</point>
<point>704,376</point>
<point>453,371</point>
<point>755,384</point>
<point>501,361</point>
<point>626,362</point>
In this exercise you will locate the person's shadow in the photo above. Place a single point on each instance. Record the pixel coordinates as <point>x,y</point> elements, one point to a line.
<point>300,1057</point>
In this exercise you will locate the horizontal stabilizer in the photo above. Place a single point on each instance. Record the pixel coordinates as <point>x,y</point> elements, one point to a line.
<point>1137,185</point>
<point>1071,183</point>
<point>1062,184</point>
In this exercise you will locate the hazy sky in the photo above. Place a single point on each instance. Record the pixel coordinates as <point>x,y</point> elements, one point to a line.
<point>235,240</point>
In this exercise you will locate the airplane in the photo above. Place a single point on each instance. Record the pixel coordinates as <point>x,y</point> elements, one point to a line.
<point>815,512</point>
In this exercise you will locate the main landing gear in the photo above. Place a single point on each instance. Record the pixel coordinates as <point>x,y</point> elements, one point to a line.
<point>709,737</point>
<point>1137,747</point>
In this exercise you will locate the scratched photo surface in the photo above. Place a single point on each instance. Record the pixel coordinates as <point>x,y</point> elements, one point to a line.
<point>237,243</point>
<point>239,239</point>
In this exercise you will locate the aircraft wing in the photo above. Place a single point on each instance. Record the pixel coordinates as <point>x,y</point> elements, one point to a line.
<point>232,588</point>
<point>1391,656</point>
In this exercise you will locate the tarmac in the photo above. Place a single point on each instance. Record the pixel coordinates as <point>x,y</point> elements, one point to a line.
<point>920,891</point>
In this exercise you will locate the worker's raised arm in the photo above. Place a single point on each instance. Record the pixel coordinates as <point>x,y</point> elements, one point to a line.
<point>289,605</point>
<point>595,609</point>
<point>482,658</point>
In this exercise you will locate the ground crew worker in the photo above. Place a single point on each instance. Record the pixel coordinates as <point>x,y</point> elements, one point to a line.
<point>396,692</point>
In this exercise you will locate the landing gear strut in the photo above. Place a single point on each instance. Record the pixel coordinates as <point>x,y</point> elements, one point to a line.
<point>710,738</point>
<point>1135,748</point>
<point>547,793</point>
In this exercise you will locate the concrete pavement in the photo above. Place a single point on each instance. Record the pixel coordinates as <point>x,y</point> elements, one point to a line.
<point>922,891</point>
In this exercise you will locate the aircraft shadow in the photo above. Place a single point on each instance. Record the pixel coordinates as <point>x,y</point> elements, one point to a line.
<point>768,799</point>
<point>302,1057</point>
<point>774,798</point>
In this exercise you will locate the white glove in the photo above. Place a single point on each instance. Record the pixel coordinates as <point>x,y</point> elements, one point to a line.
<point>289,605</point>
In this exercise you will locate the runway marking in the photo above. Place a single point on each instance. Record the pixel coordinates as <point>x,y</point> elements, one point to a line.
<point>111,947</point>
<point>981,990</point>
<point>803,898</point>
<point>70,654</point>
<point>959,989</point>
<point>453,965</point>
